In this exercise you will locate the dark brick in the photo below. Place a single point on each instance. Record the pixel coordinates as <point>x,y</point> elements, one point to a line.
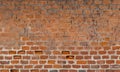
<point>14,70</point>
<point>82,71</point>
<point>53,71</point>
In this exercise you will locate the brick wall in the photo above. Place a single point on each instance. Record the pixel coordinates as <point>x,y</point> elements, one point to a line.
<point>59,35</point>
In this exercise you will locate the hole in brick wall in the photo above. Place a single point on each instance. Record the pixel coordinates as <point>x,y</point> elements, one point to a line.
<point>70,57</point>
<point>38,52</point>
<point>14,70</point>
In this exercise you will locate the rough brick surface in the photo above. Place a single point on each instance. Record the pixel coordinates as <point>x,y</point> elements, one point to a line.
<point>59,35</point>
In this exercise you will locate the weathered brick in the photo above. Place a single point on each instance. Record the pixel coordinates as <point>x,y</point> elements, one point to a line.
<point>70,57</point>
<point>38,52</point>
<point>4,70</point>
<point>65,52</point>
<point>82,71</point>
<point>81,62</point>
<point>17,57</point>
<point>12,52</point>
<point>14,70</point>
<point>53,70</point>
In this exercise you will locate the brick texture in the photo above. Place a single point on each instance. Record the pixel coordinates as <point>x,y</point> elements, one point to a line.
<point>59,35</point>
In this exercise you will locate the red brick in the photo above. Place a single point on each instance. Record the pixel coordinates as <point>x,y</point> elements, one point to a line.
<point>102,52</point>
<point>109,61</point>
<point>76,66</point>
<point>4,70</point>
<point>33,62</point>
<point>64,71</point>
<point>25,47</point>
<point>24,70</point>
<point>57,66</point>
<point>38,66</point>
<point>91,62</point>
<point>21,52</point>
<point>105,66</point>
<point>79,57</point>
<point>47,66</point>
<point>17,57</point>
<point>44,57</point>
<point>116,47</point>
<point>72,70</point>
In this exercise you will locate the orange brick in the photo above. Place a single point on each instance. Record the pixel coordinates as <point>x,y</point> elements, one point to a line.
<point>8,66</point>
<point>34,70</point>
<point>116,2</point>
<point>81,62</point>
<point>107,48</point>
<point>25,38</point>
<point>42,61</point>
<point>14,61</point>
<point>118,62</point>
<point>12,52</point>
<point>21,52</point>
<point>43,47</point>
<point>44,57</point>
<point>25,47</point>
<point>38,66</point>
<point>116,47</point>
<point>106,1</point>
<point>33,62</point>
<point>4,70</point>
<point>28,66</point>
<point>57,66</point>
<point>65,52</point>
<point>56,52</point>
<point>29,43</point>
<point>51,61</point>
<point>104,43</point>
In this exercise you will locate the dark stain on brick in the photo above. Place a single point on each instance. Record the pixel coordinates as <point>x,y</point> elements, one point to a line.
<point>14,70</point>
<point>82,71</point>
<point>70,57</point>
<point>53,70</point>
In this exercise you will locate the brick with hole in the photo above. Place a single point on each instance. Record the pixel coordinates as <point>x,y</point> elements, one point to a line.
<point>38,52</point>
